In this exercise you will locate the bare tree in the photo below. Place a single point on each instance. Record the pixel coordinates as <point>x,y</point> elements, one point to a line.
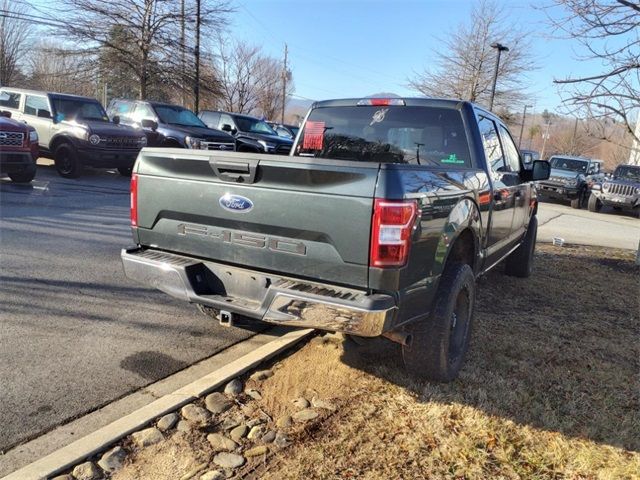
<point>14,40</point>
<point>55,69</point>
<point>608,32</point>
<point>465,60</point>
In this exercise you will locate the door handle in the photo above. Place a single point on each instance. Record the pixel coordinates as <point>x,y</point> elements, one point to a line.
<point>230,171</point>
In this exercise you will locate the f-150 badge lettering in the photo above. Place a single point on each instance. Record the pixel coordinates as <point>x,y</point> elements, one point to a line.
<point>235,203</point>
<point>379,116</point>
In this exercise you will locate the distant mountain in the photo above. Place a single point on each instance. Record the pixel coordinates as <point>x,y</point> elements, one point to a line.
<point>383,95</point>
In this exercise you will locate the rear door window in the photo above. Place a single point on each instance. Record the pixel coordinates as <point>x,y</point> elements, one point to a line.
<point>10,99</point>
<point>37,106</point>
<point>391,134</point>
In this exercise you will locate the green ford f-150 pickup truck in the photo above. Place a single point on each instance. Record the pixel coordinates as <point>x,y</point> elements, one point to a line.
<point>377,223</point>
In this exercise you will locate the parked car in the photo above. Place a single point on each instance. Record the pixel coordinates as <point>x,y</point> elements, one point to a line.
<point>168,125</point>
<point>247,128</point>
<point>528,156</point>
<point>571,179</point>
<point>74,131</point>
<point>621,191</point>
<point>378,223</point>
<point>286,131</point>
<point>18,149</point>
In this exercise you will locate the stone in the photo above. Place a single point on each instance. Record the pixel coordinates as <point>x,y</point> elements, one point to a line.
<point>253,393</point>
<point>193,472</point>
<point>300,403</point>
<point>256,451</point>
<point>221,443</point>
<point>269,437</point>
<point>318,403</point>
<point>284,422</point>
<point>63,477</point>
<point>229,460</point>
<point>230,423</point>
<point>112,460</point>
<point>195,414</point>
<point>234,387</point>
<point>86,471</point>
<point>217,403</point>
<point>305,415</point>
<point>281,440</point>
<point>238,433</point>
<point>213,475</point>
<point>183,426</point>
<point>146,437</point>
<point>167,422</point>
<point>261,375</point>
<point>255,432</point>
<point>254,421</point>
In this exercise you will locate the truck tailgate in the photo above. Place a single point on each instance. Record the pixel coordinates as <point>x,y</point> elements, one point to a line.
<point>296,216</point>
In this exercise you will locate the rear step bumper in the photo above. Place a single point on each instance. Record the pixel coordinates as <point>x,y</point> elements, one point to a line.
<point>261,296</point>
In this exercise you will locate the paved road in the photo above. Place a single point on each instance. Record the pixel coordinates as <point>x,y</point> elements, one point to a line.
<point>607,228</point>
<point>74,333</point>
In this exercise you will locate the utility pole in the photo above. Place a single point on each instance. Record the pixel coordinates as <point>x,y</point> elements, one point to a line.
<point>182,53</point>
<point>574,143</point>
<point>196,86</point>
<point>524,115</point>
<point>284,82</point>
<point>501,48</point>
<point>545,137</point>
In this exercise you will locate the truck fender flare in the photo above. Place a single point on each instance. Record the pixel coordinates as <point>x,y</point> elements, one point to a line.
<point>59,139</point>
<point>465,216</point>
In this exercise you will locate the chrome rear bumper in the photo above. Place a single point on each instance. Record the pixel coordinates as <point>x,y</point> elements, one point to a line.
<point>270,298</point>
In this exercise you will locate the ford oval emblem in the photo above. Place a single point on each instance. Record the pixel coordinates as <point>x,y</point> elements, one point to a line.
<point>236,203</point>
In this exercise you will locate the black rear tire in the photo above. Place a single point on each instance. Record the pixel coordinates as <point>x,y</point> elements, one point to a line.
<point>520,262</point>
<point>67,162</point>
<point>23,176</point>
<point>439,343</point>
<point>595,205</point>
<point>125,171</point>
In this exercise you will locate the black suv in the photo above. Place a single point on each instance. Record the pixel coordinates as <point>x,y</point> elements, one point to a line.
<point>249,130</point>
<point>622,191</point>
<point>74,131</point>
<point>571,179</point>
<point>168,125</point>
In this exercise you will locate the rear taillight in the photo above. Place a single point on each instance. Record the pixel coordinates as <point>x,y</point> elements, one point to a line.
<point>134,200</point>
<point>381,102</point>
<point>391,232</point>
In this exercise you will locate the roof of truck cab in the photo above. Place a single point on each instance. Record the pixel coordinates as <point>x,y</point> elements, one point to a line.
<point>573,157</point>
<point>409,102</point>
<point>42,92</point>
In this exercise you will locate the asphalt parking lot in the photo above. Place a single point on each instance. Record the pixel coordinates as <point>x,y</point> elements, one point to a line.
<point>76,334</point>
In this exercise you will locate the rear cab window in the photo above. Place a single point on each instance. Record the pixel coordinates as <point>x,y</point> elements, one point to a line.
<point>37,105</point>
<point>10,99</point>
<point>417,135</point>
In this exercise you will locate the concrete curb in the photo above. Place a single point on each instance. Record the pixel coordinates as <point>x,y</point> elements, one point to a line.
<point>102,438</point>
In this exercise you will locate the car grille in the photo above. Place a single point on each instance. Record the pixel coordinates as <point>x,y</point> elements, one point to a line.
<point>619,189</point>
<point>14,139</point>
<point>122,142</point>
<point>283,149</point>
<point>217,146</point>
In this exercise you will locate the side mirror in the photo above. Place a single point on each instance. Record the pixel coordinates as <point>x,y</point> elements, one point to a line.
<point>116,119</point>
<point>4,113</point>
<point>149,124</point>
<point>541,170</point>
<point>227,128</point>
<point>43,114</point>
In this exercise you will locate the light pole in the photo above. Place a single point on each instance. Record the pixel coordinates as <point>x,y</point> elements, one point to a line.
<point>524,115</point>
<point>501,48</point>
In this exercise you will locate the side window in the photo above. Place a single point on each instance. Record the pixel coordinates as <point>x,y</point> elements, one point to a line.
<point>211,119</point>
<point>226,119</point>
<point>511,152</point>
<point>36,106</point>
<point>10,99</point>
<point>142,112</point>
<point>122,109</point>
<point>491,144</point>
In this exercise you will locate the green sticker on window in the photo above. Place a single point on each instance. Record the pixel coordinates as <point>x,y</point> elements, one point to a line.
<point>452,159</point>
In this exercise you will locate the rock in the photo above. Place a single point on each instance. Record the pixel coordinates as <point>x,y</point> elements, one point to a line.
<point>305,415</point>
<point>284,422</point>
<point>195,414</point>
<point>146,437</point>
<point>256,451</point>
<point>229,460</point>
<point>234,387</point>
<point>300,403</point>
<point>255,432</point>
<point>317,403</point>
<point>229,423</point>
<point>217,403</point>
<point>113,459</point>
<point>86,471</point>
<point>281,440</point>
<point>193,472</point>
<point>183,426</point>
<point>63,477</point>
<point>167,422</point>
<point>213,475</point>
<point>254,421</point>
<point>269,437</point>
<point>261,375</point>
<point>220,442</point>
<point>239,433</point>
<point>253,393</point>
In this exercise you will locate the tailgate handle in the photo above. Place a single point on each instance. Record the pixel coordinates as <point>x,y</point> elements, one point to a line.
<point>239,172</point>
